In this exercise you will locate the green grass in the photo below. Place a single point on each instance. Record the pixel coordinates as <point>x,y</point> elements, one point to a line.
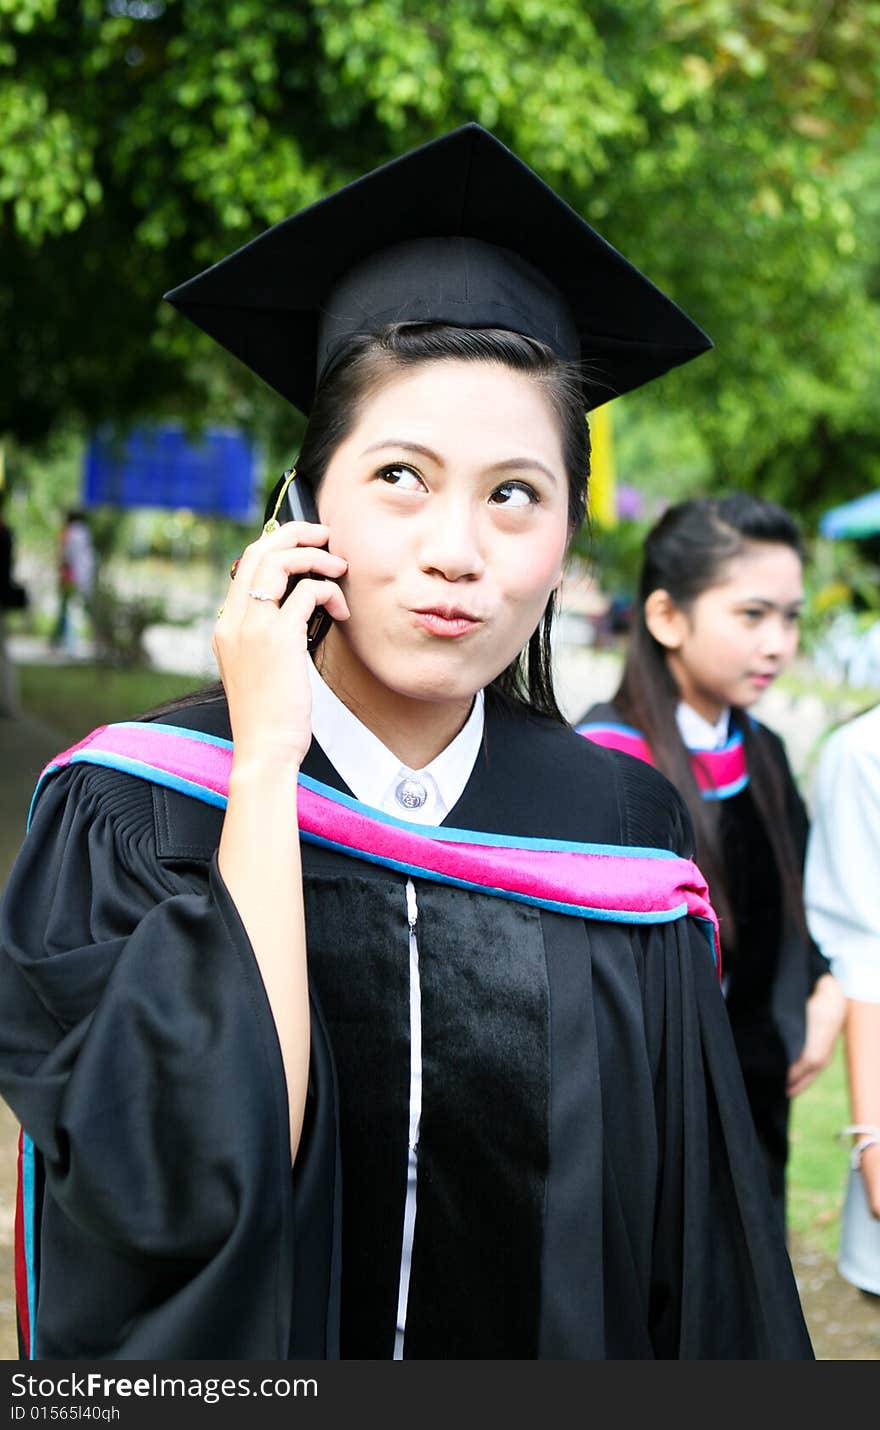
<point>73,699</point>
<point>819,1161</point>
<point>800,680</point>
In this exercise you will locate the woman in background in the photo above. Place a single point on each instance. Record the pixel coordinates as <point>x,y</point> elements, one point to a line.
<point>13,597</point>
<point>76,582</point>
<point>842,887</point>
<point>717,621</point>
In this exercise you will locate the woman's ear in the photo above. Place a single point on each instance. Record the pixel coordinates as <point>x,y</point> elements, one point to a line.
<point>665,620</point>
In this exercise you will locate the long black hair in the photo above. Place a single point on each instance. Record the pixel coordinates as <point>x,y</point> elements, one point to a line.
<point>368,363</point>
<point>686,553</point>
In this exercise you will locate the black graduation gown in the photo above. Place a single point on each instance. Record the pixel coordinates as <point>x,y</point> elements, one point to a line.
<point>776,964</point>
<point>589,1184</point>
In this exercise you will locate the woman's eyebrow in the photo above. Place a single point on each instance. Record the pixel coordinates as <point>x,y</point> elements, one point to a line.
<point>402,445</point>
<point>510,464</point>
<point>772,605</point>
<point>523,464</point>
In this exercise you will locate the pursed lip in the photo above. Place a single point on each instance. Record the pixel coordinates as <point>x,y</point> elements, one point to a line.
<point>447,613</point>
<point>763,676</point>
<point>446,622</point>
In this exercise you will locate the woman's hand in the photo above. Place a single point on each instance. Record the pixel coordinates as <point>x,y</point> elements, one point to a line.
<point>826,1010</point>
<point>261,648</point>
<point>863,1067</point>
<point>870,1165</point>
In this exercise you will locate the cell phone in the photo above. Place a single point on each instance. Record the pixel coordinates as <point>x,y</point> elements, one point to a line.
<point>292,500</point>
<point>297,502</point>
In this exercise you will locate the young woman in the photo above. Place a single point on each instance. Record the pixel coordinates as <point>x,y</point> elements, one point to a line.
<point>719,604</point>
<point>372,912</point>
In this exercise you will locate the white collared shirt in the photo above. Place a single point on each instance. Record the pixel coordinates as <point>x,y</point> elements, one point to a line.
<point>373,773</point>
<point>842,873</point>
<point>699,733</point>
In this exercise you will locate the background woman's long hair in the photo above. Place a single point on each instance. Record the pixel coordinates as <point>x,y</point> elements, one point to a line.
<point>367,365</point>
<point>686,553</point>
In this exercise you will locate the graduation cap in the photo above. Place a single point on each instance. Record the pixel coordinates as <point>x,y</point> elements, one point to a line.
<point>458,231</point>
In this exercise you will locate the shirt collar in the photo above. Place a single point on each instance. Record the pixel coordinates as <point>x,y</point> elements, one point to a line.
<point>373,772</point>
<point>699,733</point>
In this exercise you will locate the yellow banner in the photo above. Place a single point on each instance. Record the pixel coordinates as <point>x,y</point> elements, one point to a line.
<point>602,491</point>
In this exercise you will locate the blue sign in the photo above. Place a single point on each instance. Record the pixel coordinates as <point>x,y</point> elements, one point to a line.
<point>160,466</point>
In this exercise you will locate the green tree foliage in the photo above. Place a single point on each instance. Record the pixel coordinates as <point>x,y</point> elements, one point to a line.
<point>724,145</point>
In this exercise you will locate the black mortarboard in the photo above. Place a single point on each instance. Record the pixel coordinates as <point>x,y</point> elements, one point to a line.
<point>458,231</point>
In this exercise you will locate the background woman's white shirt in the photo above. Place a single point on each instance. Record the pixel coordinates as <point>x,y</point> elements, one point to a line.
<point>699,733</point>
<point>842,876</point>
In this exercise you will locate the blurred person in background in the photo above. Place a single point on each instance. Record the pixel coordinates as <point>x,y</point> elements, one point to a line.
<point>13,597</point>
<point>842,890</point>
<point>76,583</point>
<point>716,622</point>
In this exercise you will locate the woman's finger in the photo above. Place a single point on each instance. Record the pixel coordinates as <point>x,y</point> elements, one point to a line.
<point>291,534</point>
<point>295,534</point>
<point>266,566</point>
<point>302,560</point>
<point>307,595</point>
<point>274,571</point>
<point>261,611</point>
<point>802,1073</point>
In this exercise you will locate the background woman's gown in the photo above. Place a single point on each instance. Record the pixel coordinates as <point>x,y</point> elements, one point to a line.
<point>776,964</point>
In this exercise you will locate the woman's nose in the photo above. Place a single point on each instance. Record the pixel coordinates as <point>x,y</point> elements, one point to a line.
<point>451,543</point>
<point>775,637</point>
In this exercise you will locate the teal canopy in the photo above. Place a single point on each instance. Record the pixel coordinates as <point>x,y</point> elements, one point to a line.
<point>855,519</point>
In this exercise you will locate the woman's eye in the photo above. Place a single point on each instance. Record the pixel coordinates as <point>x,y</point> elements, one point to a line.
<point>514,494</point>
<point>405,479</point>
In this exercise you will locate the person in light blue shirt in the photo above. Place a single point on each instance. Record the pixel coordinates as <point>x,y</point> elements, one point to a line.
<point>843,906</point>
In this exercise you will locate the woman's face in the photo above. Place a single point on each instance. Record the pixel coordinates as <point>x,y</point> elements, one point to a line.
<point>739,635</point>
<point>449,500</point>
